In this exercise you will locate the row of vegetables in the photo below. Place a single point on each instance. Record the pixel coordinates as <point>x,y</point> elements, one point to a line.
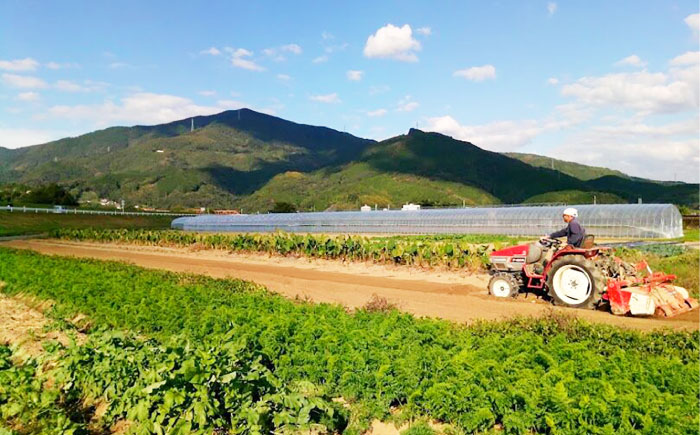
<point>469,252</point>
<point>173,353</point>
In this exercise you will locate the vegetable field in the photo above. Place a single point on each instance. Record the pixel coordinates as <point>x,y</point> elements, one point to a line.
<point>468,251</point>
<point>171,353</point>
<point>18,223</point>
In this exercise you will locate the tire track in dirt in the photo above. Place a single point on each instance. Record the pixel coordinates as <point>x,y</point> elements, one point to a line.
<point>448,295</point>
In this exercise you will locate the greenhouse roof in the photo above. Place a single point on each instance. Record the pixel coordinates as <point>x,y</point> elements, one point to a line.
<point>603,220</point>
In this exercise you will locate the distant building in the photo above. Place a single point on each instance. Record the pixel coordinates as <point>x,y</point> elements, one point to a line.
<point>104,202</point>
<point>226,212</point>
<point>410,207</point>
<point>365,208</point>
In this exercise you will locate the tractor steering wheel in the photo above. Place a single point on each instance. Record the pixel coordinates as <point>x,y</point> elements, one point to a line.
<point>546,241</point>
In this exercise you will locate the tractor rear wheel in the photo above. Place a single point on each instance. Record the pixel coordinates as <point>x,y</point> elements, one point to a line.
<point>504,285</point>
<point>575,281</point>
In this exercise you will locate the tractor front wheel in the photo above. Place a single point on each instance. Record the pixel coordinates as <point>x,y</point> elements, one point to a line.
<point>504,285</point>
<point>575,282</point>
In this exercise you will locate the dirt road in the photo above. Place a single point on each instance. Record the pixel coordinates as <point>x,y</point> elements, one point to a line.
<point>449,295</point>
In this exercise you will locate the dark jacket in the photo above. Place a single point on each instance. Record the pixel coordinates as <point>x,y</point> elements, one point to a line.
<point>574,233</point>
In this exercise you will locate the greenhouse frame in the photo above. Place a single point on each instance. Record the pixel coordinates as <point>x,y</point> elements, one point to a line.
<point>603,220</point>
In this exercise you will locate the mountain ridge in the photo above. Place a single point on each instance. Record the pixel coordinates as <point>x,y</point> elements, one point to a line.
<point>244,158</point>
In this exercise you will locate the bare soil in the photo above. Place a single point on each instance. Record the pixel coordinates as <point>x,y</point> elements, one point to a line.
<point>23,325</point>
<point>452,295</point>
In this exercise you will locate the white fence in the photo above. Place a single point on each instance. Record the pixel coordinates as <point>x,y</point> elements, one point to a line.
<point>94,212</point>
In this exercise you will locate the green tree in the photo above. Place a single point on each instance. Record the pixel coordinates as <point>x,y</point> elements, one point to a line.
<point>283,207</point>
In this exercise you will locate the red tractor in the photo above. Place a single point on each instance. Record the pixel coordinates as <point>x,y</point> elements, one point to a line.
<point>585,277</point>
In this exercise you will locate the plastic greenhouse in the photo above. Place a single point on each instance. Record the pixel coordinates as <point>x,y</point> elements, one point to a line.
<point>605,220</point>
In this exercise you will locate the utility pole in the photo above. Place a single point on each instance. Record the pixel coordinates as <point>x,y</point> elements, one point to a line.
<point>192,125</point>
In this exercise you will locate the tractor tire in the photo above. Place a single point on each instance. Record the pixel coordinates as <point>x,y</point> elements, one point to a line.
<point>504,285</point>
<point>576,282</point>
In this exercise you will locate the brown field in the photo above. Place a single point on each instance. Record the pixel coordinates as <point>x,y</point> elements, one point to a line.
<point>455,296</point>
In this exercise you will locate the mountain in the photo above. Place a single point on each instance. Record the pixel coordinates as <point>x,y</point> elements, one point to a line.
<point>631,189</point>
<point>357,183</point>
<point>228,155</point>
<point>251,160</point>
<point>420,167</point>
<point>441,157</point>
<point>577,170</point>
<point>431,168</point>
<point>608,185</point>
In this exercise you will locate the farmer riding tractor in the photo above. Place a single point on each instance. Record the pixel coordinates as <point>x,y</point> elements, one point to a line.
<point>583,275</point>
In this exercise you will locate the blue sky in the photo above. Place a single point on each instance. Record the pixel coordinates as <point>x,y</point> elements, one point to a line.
<point>604,83</point>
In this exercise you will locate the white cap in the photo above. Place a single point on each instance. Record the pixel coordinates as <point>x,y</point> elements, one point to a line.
<point>571,212</point>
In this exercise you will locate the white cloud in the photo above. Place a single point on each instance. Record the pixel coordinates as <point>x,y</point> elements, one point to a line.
<point>237,60</point>
<point>377,113</point>
<point>56,65</point>
<point>426,31</point>
<point>660,152</point>
<point>632,60</point>
<point>21,137</point>
<point>551,8</point>
<point>495,136</point>
<point>634,128</point>
<point>687,58</point>
<point>28,96</point>
<point>141,108</point>
<point>69,86</point>
<point>207,93</point>
<point>213,51</point>
<point>328,98</point>
<point>272,54</point>
<point>553,81</point>
<point>88,86</point>
<point>320,59</point>
<point>26,64</point>
<point>235,105</point>
<point>392,42</point>
<point>376,90</point>
<point>25,82</point>
<point>642,91</point>
<point>275,53</point>
<point>477,73</point>
<point>693,21</point>
<point>119,65</point>
<point>284,77</point>
<point>354,75</point>
<point>291,48</point>
<point>406,104</point>
<point>508,135</point>
<point>336,47</point>
<point>230,104</point>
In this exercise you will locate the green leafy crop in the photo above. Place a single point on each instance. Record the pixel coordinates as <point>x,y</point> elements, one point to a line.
<point>453,252</point>
<point>246,361</point>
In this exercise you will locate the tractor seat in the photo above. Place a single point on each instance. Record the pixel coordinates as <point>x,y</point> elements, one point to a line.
<point>588,242</point>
